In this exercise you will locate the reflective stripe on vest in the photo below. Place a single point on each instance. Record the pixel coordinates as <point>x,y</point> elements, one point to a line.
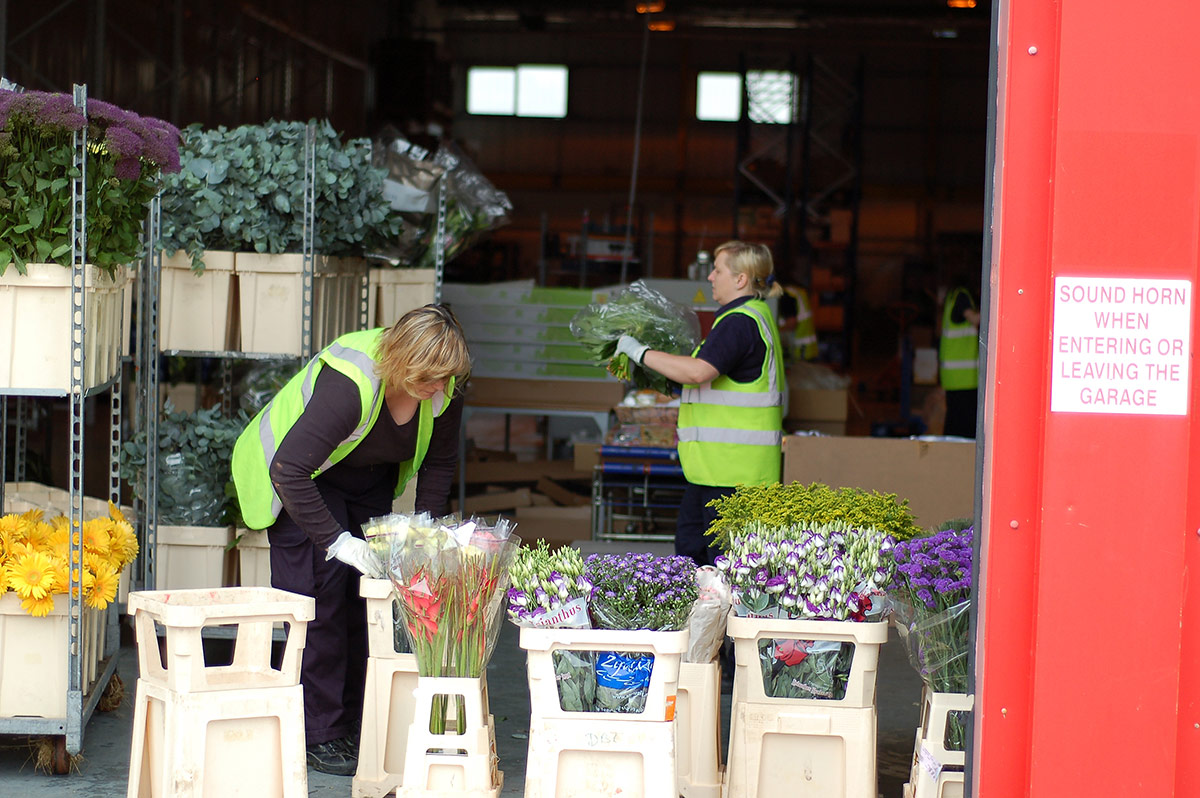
<point>958,349</point>
<point>730,432</point>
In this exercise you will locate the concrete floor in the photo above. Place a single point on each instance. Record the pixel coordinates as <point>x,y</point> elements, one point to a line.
<point>102,770</point>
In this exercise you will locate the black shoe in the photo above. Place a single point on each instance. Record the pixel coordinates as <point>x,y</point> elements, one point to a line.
<point>332,757</point>
<point>347,745</point>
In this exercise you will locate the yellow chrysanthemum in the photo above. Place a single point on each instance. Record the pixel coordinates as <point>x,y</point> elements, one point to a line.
<point>116,513</point>
<point>31,575</point>
<point>19,549</point>
<point>9,523</point>
<point>95,535</point>
<point>61,579</point>
<point>103,588</point>
<point>124,544</point>
<point>33,515</point>
<point>36,533</point>
<point>38,608</point>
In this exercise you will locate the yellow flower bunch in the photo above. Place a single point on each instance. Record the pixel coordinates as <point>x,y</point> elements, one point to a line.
<point>35,558</point>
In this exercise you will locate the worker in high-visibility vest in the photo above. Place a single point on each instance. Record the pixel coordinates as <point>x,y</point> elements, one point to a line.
<point>330,451</point>
<point>958,361</point>
<point>797,324</point>
<point>731,409</point>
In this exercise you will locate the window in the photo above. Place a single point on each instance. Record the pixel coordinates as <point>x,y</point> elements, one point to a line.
<point>770,95</point>
<point>534,90</point>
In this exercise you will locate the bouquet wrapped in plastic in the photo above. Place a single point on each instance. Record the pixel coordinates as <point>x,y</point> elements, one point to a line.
<point>706,625</point>
<point>636,591</point>
<point>549,591</point>
<point>451,579</point>
<point>931,603</point>
<point>648,316</point>
<point>414,179</point>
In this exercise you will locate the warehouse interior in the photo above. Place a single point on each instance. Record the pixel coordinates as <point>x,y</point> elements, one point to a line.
<point>859,158</point>
<point>871,196</point>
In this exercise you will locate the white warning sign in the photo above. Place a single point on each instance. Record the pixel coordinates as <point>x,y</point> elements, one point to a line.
<point>1121,345</point>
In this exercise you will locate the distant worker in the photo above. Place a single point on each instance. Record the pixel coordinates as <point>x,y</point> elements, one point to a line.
<point>958,361</point>
<point>796,322</point>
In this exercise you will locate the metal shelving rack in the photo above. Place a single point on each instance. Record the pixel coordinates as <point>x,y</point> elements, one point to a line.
<point>68,730</point>
<point>147,351</point>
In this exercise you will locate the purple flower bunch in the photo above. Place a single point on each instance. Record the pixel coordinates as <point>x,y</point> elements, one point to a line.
<point>823,572</point>
<point>126,153</point>
<point>932,599</point>
<point>935,571</point>
<point>641,591</point>
<point>548,588</point>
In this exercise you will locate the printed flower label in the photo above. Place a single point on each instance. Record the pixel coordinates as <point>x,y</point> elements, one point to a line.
<point>1121,345</point>
<point>622,672</point>
<point>929,763</point>
<point>572,615</point>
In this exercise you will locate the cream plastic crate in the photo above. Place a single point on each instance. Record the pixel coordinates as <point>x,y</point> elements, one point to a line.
<point>747,677</point>
<point>936,771</point>
<point>590,758</point>
<point>389,705</point>
<point>247,742</point>
<point>808,751</point>
<point>698,730</point>
<point>191,556</point>
<point>35,327</point>
<point>184,613</point>
<point>270,301</point>
<point>196,310</point>
<point>380,599</point>
<point>667,648</point>
<point>394,292</point>
<point>462,761</point>
<point>254,557</point>
<point>34,657</point>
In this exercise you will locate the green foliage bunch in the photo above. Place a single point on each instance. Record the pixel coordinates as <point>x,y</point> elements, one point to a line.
<point>126,154</point>
<point>795,504</point>
<point>194,450</point>
<point>242,189</point>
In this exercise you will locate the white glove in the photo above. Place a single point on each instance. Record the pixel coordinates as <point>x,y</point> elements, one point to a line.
<point>355,552</point>
<point>635,349</point>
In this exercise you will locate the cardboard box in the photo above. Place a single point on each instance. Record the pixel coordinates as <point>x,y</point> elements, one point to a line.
<point>501,473</point>
<point>491,502</point>
<point>558,526</point>
<point>812,404</point>
<point>587,457</point>
<point>589,395</point>
<point>561,495</point>
<point>937,477</point>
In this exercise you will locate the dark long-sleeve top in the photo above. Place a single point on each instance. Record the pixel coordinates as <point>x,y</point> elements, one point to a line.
<point>331,415</point>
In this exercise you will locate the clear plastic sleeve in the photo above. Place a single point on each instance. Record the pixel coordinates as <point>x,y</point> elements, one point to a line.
<point>648,316</point>
<point>706,624</point>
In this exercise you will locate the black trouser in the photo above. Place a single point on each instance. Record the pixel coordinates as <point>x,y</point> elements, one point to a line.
<point>961,409</point>
<point>334,665</point>
<point>694,519</point>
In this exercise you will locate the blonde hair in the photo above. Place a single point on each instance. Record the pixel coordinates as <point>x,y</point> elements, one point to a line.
<point>426,345</point>
<point>754,261</point>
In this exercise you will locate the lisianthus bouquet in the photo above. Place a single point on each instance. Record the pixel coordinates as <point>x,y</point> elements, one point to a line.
<point>828,572</point>
<point>550,591</point>
<point>648,316</point>
<point>931,596</point>
<point>451,579</point>
<point>34,554</point>
<point>636,591</point>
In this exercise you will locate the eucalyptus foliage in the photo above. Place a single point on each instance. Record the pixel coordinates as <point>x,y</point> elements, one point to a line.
<point>795,504</point>
<point>242,189</point>
<point>194,450</point>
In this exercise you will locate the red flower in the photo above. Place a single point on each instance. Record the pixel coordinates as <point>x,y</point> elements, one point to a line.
<point>791,652</point>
